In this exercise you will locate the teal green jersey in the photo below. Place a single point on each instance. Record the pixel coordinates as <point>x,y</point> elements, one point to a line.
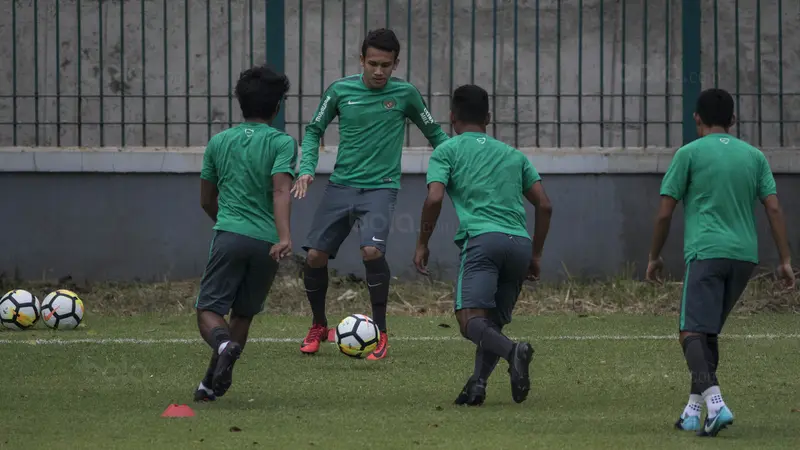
<point>486,181</point>
<point>241,162</point>
<point>371,130</point>
<point>719,179</point>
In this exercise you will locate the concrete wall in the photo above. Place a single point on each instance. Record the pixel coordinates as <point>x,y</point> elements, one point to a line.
<point>134,52</point>
<point>125,215</point>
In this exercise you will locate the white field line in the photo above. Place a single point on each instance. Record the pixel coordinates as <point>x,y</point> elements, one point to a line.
<point>595,337</point>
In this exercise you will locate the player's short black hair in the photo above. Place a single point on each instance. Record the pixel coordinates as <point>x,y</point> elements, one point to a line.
<point>470,104</point>
<point>715,108</point>
<point>259,91</point>
<point>381,39</point>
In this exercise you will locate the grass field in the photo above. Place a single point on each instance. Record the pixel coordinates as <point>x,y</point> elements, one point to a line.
<point>600,381</point>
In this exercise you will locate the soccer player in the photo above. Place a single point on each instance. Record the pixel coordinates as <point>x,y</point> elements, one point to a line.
<point>486,181</point>
<point>372,107</point>
<point>719,178</point>
<point>245,187</point>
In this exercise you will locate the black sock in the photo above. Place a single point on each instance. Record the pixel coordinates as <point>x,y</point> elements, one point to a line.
<point>212,365</point>
<point>713,362</point>
<point>695,350</point>
<point>316,283</point>
<point>220,335</point>
<point>485,363</point>
<point>378,277</point>
<point>488,337</point>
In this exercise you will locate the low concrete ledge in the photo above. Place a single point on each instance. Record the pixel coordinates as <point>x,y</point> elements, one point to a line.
<point>415,160</point>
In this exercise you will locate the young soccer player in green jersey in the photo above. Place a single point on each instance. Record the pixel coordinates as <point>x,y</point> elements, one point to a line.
<point>486,180</point>
<point>372,108</point>
<point>245,186</point>
<point>719,178</point>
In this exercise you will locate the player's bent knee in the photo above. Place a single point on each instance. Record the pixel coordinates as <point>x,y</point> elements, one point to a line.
<point>370,253</point>
<point>316,258</point>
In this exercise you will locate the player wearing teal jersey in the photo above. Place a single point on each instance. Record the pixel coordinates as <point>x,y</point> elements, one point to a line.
<point>372,108</point>
<point>245,186</point>
<point>719,178</point>
<point>486,181</point>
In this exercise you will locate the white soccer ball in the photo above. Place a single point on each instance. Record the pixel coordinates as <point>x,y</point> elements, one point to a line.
<point>19,310</point>
<point>357,336</point>
<point>62,310</point>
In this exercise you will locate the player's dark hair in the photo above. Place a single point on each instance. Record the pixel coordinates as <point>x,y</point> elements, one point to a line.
<point>470,104</point>
<point>259,91</point>
<point>715,108</point>
<point>381,39</point>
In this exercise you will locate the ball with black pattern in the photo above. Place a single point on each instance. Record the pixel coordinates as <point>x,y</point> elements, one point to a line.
<point>357,336</point>
<point>19,310</point>
<point>62,310</point>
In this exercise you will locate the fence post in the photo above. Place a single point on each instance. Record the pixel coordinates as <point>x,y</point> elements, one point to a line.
<point>692,76</point>
<point>276,47</point>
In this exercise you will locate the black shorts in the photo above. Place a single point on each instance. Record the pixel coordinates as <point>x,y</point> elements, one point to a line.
<point>711,288</point>
<point>344,206</point>
<point>493,268</point>
<point>238,276</point>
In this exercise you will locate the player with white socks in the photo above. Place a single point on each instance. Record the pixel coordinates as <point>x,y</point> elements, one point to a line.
<point>718,177</point>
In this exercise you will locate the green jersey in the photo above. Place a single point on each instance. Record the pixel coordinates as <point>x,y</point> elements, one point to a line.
<point>486,181</point>
<point>371,128</point>
<point>241,162</point>
<point>719,178</point>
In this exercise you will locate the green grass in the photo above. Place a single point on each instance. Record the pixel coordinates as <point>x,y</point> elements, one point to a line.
<point>599,393</point>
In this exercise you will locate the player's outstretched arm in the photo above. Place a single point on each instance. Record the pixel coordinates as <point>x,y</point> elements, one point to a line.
<point>673,188</point>
<point>422,118</point>
<point>325,113</point>
<point>430,215</point>
<point>777,224</point>
<point>544,211</point>
<point>208,182</point>
<point>282,174</point>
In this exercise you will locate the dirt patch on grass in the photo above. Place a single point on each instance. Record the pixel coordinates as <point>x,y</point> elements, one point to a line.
<point>349,294</point>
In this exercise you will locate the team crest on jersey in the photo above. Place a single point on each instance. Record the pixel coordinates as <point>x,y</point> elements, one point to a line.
<point>388,104</point>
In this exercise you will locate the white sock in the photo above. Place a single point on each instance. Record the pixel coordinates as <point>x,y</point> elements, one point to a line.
<point>714,401</point>
<point>694,407</point>
<point>205,388</point>
<point>222,347</point>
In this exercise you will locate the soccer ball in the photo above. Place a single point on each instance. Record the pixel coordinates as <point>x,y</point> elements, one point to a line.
<point>19,310</point>
<point>62,310</point>
<point>357,336</point>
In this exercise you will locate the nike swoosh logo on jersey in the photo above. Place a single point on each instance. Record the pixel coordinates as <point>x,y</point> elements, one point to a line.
<point>352,102</point>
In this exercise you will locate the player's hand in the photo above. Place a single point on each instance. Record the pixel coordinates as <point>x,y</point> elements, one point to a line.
<point>786,274</point>
<point>281,250</point>
<point>421,259</point>
<point>654,268</point>
<point>301,185</point>
<point>535,269</point>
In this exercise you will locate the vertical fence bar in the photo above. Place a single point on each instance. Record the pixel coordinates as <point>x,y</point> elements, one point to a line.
<point>344,37</point>
<point>100,62</point>
<point>780,70</point>
<point>516,73</point>
<point>208,68</point>
<point>558,75</point>
<point>667,89</point>
<point>602,76</point>
<point>14,68</point>
<point>494,68</point>
<point>472,46</point>
<point>623,96</point>
<point>366,19</point>
<point>58,74</point>
<point>230,61</point>
<point>580,73</point>
<point>122,84</point>
<point>276,45</point>
<point>387,13</point>
<point>166,76</point>
<point>300,68</point>
<point>736,39</point>
<point>36,67</point>
<point>537,72</point>
<point>251,39</point>
<point>187,68</point>
<point>452,45</point>
<point>716,43</point>
<point>644,72</point>
<point>408,65</point>
<point>144,73</point>
<point>691,65</point>
<point>430,52</point>
<point>758,71</point>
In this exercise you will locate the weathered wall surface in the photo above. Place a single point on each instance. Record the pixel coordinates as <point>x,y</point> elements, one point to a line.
<point>155,65</point>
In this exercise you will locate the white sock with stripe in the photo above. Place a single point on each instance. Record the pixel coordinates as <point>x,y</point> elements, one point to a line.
<point>694,407</point>
<point>714,402</point>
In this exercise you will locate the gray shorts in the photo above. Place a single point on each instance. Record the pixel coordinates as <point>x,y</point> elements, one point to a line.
<point>344,206</point>
<point>711,288</point>
<point>493,268</point>
<point>238,275</point>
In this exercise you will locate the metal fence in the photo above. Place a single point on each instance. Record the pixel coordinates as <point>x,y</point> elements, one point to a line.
<point>577,73</point>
